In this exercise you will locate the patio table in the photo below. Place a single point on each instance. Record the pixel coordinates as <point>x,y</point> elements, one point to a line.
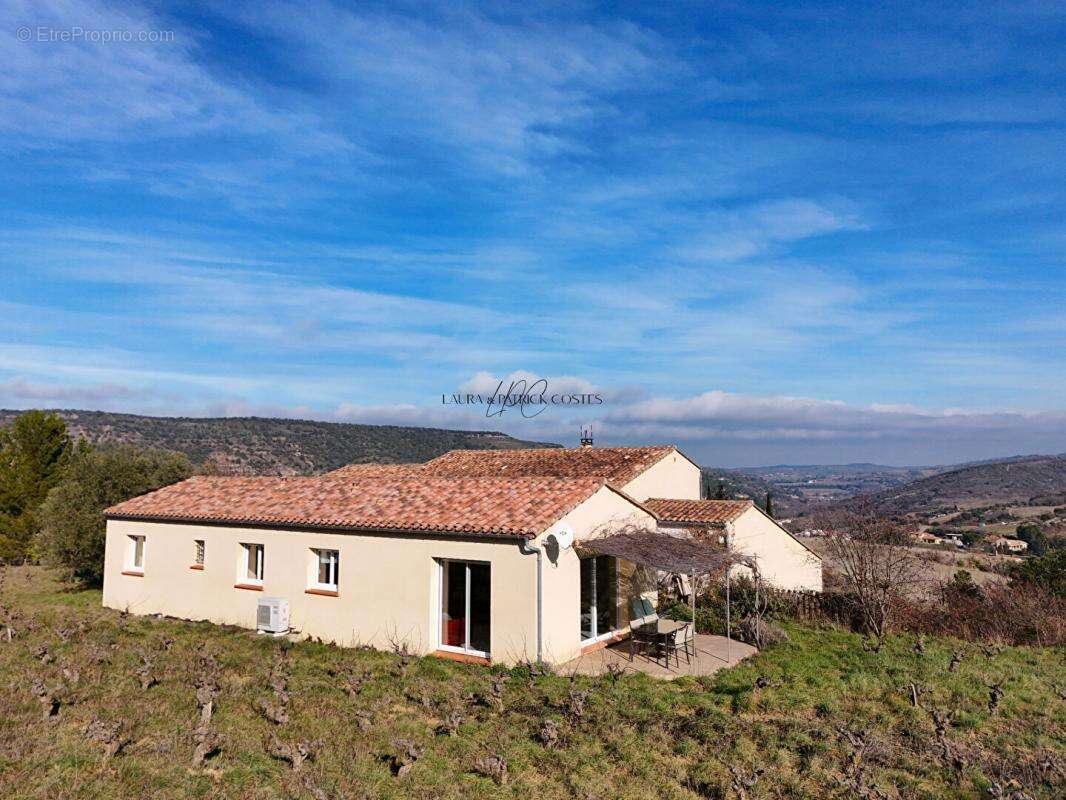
<point>661,627</point>
<point>656,633</point>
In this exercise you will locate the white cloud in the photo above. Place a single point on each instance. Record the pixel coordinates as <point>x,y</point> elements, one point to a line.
<point>721,428</point>
<point>756,230</point>
<point>501,93</point>
<point>81,104</point>
<point>18,392</point>
<point>716,427</point>
<point>94,91</point>
<point>721,416</point>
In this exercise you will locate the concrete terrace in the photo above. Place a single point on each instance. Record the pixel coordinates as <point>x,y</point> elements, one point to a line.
<point>712,654</point>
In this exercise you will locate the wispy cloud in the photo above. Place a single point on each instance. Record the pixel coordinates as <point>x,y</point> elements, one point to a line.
<point>753,231</point>
<point>502,93</point>
<point>348,210</point>
<point>86,90</point>
<point>17,393</point>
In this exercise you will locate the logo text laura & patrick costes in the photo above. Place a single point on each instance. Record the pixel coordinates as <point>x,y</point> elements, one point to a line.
<point>531,399</point>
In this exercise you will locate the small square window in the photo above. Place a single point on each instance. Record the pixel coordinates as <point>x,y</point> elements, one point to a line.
<point>135,557</point>
<point>327,569</point>
<point>253,563</point>
<point>199,553</point>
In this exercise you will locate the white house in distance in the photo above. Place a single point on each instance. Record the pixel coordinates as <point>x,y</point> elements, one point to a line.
<point>457,557</point>
<point>1006,544</point>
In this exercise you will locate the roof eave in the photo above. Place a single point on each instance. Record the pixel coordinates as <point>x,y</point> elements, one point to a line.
<point>317,526</point>
<point>695,523</point>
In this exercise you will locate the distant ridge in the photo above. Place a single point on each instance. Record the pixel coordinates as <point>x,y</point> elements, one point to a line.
<point>1035,480</point>
<point>266,446</point>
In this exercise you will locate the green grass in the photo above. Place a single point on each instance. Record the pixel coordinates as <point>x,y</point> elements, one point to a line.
<point>637,737</point>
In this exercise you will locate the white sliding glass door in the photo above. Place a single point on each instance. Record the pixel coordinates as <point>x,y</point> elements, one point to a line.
<point>465,601</point>
<point>599,597</point>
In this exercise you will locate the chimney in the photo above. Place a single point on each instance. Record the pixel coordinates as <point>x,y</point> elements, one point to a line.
<point>586,437</point>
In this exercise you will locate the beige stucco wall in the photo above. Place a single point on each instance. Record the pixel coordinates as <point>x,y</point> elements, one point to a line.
<point>388,590</point>
<point>389,584</point>
<point>783,561</point>
<point>673,476</point>
<point>599,515</point>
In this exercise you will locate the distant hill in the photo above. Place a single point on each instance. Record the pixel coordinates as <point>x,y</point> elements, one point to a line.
<point>1026,480</point>
<point>262,446</point>
<point>738,483</point>
<point>827,482</point>
<point>803,472</point>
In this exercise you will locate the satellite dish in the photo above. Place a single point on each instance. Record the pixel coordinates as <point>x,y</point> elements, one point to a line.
<point>564,537</point>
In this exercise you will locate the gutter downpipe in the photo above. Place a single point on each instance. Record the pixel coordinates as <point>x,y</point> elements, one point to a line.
<point>527,549</point>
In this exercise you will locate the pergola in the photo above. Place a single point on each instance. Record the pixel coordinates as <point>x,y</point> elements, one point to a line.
<point>675,554</point>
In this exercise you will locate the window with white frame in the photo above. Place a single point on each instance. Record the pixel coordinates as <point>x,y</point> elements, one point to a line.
<point>327,569</point>
<point>200,550</point>
<point>135,554</point>
<point>252,564</point>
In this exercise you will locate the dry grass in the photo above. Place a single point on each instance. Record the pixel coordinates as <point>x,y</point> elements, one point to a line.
<point>822,716</point>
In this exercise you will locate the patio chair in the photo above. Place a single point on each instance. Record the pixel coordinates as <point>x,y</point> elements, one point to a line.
<point>650,614</point>
<point>642,610</point>
<point>640,640</point>
<point>688,638</point>
<point>636,607</point>
<point>676,643</point>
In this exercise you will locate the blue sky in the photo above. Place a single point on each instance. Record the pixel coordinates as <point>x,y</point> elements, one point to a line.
<point>771,233</point>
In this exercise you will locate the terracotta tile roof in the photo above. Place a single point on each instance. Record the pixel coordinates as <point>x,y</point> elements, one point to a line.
<point>368,471</point>
<point>698,512</point>
<point>481,506</point>
<point>619,465</point>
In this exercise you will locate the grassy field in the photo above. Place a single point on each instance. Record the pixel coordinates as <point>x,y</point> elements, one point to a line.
<point>820,716</point>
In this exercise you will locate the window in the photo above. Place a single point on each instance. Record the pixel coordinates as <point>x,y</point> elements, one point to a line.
<point>199,562</point>
<point>327,569</point>
<point>599,597</point>
<point>135,554</point>
<point>465,607</point>
<point>253,564</point>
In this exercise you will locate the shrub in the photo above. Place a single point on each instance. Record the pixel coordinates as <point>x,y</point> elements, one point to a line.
<point>72,523</point>
<point>757,631</point>
<point>1021,614</point>
<point>745,603</point>
<point>961,585</point>
<point>708,619</point>
<point>1047,572</point>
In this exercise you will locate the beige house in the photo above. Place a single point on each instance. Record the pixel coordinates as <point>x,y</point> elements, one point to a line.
<point>1006,544</point>
<point>469,556</point>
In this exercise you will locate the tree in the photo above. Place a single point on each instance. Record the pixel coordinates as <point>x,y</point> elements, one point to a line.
<point>720,494</point>
<point>1048,572</point>
<point>34,450</point>
<point>770,504</point>
<point>1033,535</point>
<point>72,525</point>
<point>972,537</point>
<point>879,570</point>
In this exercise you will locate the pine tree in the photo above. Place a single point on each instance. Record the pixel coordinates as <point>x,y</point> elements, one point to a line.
<point>34,451</point>
<point>770,504</point>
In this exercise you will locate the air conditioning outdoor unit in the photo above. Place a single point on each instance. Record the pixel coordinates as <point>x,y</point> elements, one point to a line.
<point>272,616</point>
